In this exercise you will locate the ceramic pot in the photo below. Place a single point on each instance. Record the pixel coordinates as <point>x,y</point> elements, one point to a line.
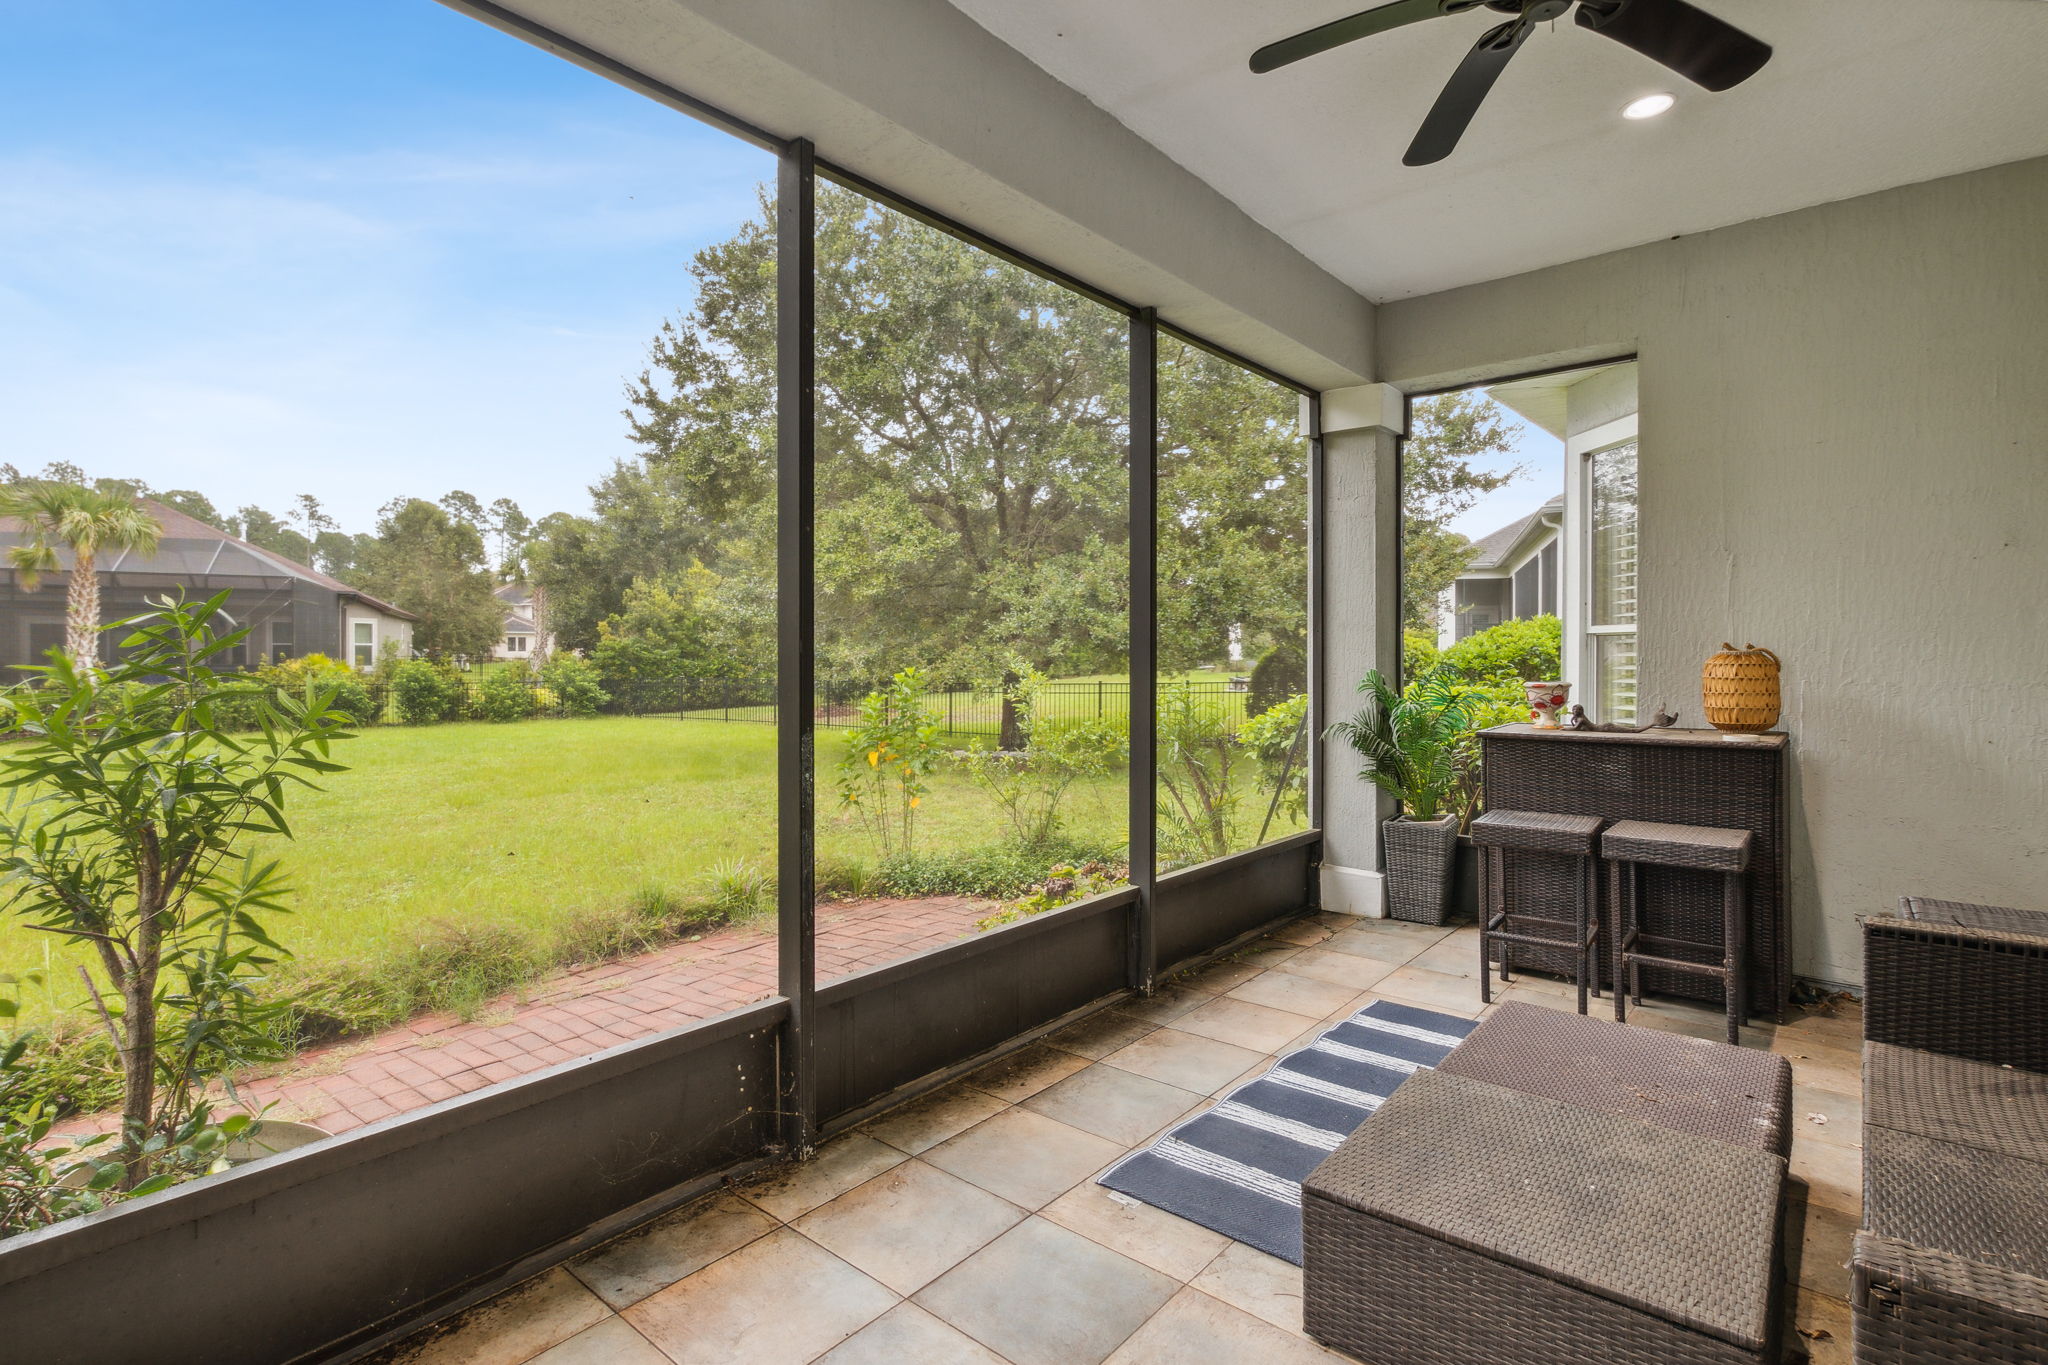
<point>1548,702</point>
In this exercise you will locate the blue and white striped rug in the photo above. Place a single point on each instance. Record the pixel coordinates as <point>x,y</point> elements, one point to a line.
<point>1237,1167</point>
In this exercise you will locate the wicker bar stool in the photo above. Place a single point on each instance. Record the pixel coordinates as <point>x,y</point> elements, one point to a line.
<point>1509,917</point>
<point>1628,847</point>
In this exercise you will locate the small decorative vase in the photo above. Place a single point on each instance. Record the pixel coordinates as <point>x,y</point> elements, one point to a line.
<point>1739,689</point>
<point>1547,701</point>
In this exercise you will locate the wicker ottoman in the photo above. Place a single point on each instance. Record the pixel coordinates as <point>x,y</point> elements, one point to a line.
<point>1694,1085</point>
<point>1470,1222</point>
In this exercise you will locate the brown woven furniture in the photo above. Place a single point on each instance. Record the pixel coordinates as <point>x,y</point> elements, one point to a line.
<point>1692,1085</point>
<point>1631,845</point>
<point>1469,1222</point>
<point>1952,1262</point>
<point>1680,777</point>
<point>1509,915</point>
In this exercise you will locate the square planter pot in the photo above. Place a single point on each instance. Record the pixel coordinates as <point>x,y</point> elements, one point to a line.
<point>1421,855</point>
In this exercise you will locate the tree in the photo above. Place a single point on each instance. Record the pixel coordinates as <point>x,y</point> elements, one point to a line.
<point>511,526</point>
<point>433,565</point>
<point>465,508</point>
<point>267,532</point>
<point>195,505</point>
<point>1449,432</point>
<point>133,847</point>
<point>83,521</point>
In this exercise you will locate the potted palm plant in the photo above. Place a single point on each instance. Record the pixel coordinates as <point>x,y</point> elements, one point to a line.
<point>1413,743</point>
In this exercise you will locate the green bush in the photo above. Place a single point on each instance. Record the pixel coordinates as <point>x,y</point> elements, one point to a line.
<point>426,693</point>
<point>996,871</point>
<point>1278,739</point>
<point>300,676</point>
<point>1283,673</point>
<point>1512,652</point>
<point>503,695</point>
<point>576,683</point>
<point>1419,653</point>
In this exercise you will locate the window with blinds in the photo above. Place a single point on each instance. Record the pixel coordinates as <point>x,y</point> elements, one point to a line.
<point>1612,570</point>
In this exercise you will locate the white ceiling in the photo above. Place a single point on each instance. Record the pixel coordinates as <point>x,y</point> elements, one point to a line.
<point>1861,95</point>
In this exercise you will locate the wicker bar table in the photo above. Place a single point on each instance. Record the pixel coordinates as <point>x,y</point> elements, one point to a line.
<point>1676,777</point>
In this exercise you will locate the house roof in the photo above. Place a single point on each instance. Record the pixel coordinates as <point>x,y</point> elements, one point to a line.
<point>1496,549</point>
<point>189,548</point>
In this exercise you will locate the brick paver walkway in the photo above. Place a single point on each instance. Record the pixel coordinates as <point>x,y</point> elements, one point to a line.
<point>346,1085</point>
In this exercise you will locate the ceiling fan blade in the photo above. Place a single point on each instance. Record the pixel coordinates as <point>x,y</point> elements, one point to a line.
<point>1708,51</point>
<point>1452,113</point>
<point>1338,32</point>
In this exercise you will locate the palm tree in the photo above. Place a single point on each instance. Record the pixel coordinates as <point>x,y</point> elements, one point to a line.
<point>85,521</point>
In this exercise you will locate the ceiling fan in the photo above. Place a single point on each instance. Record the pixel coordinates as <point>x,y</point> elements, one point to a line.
<point>1708,51</point>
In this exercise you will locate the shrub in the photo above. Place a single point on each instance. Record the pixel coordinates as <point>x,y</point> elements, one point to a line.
<point>1511,652</point>
<point>33,1188</point>
<point>996,871</point>
<point>425,693</point>
<point>1419,653</point>
<point>1064,884</point>
<point>576,683</point>
<point>1278,739</point>
<point>503,695</point>
<point>886,770</point>
<point>1283,673</point>
<point>1199,800</point>
<point>302,676</point>
<point>1030,783</point>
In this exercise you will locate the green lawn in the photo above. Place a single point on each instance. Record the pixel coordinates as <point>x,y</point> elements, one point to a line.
<point>523,825</point>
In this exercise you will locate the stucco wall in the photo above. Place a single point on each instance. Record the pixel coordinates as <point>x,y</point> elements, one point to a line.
<point>1845,458</point>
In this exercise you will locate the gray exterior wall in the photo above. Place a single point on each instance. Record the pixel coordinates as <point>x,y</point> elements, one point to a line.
<point>1844,445</point>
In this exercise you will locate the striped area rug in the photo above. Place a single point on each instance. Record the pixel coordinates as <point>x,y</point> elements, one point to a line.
<point>1237,1167</point>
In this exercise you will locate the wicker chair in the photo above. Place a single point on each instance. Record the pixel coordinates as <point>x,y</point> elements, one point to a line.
<point>1952,1262</point>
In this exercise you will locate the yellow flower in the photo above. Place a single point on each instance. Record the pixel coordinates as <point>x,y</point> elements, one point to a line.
<point>916,801</point>
<point>874,758</point>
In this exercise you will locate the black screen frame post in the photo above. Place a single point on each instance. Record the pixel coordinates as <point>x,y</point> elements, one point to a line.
<point>796,450</point>
<point>1144,647</point>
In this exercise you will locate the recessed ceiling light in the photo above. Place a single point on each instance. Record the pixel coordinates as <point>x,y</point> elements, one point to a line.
<point>1649,106</point>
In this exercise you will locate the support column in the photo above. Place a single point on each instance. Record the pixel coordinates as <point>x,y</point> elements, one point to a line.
<point>1144,646</point>
<point>1360,533</point>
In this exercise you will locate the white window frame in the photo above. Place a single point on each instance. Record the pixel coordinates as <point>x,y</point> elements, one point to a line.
<point>355,623</point>
<point>1581,656</point>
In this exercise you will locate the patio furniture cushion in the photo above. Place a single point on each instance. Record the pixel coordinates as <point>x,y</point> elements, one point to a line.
<point>1954,1099</point>
<point>1691,1085</point>
<point>1946,1196</point>
<point>1537,831</point>
<point>1678,1229</point>
<point>1698,846</point>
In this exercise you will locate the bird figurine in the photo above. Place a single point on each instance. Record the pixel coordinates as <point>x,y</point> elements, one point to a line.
<point>1579,720</point>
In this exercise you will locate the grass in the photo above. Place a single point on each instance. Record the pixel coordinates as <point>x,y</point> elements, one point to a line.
<point>454,861</point>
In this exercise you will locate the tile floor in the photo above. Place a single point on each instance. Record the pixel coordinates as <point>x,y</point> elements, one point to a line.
<point>967,1227</point>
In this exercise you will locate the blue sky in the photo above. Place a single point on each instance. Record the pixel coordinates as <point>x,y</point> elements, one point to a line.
<point>354,250</point>
<point>1541,457</point>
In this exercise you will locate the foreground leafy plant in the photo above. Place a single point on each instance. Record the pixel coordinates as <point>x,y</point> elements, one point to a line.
<point>886,771</point>
<point>1416,744</point>
<point>125,833</point>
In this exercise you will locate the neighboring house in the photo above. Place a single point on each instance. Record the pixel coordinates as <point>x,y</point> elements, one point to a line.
<point>290,609</point>
<point>519,638</point>
<point>1575,556</point>
<point>1514,573</point>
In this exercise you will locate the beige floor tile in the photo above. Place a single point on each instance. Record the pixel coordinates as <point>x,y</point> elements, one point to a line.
<point>1305,995</point>
<point>907,1335</point>
<point>1827,1235</point>
<point>1114,1103</point>
<point>1834,1175</point>
<point>1823,1068</point>
<point>611,1342</point>
<point>1823,1327</point>
<point>1258,1027</point>
<point>1827,1116</point>
<point>1429,990</point>
<point>1166,1004</point>
<point>1195,1327</point>
<point>1172,1246</point>
<point>1344,969</point>
<point>1305,932</point>
<point>626,1271</point>
<point>792,1191</point>
<point>1453,955</point>
<point>1187,1060</point>
<point>1024,1156</point>
<point>1267,956</point>
<point>512,1328</point>
<point>1389,940</point>
<point>1041,1295</point>
<point>781,1300</point>
<point>1219,977</point>
<point>928,1122</point>
<point>908,1226</point>
<point>1264,1286</point>
<point>1023,1075</point>
<point>1101,1034</point>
